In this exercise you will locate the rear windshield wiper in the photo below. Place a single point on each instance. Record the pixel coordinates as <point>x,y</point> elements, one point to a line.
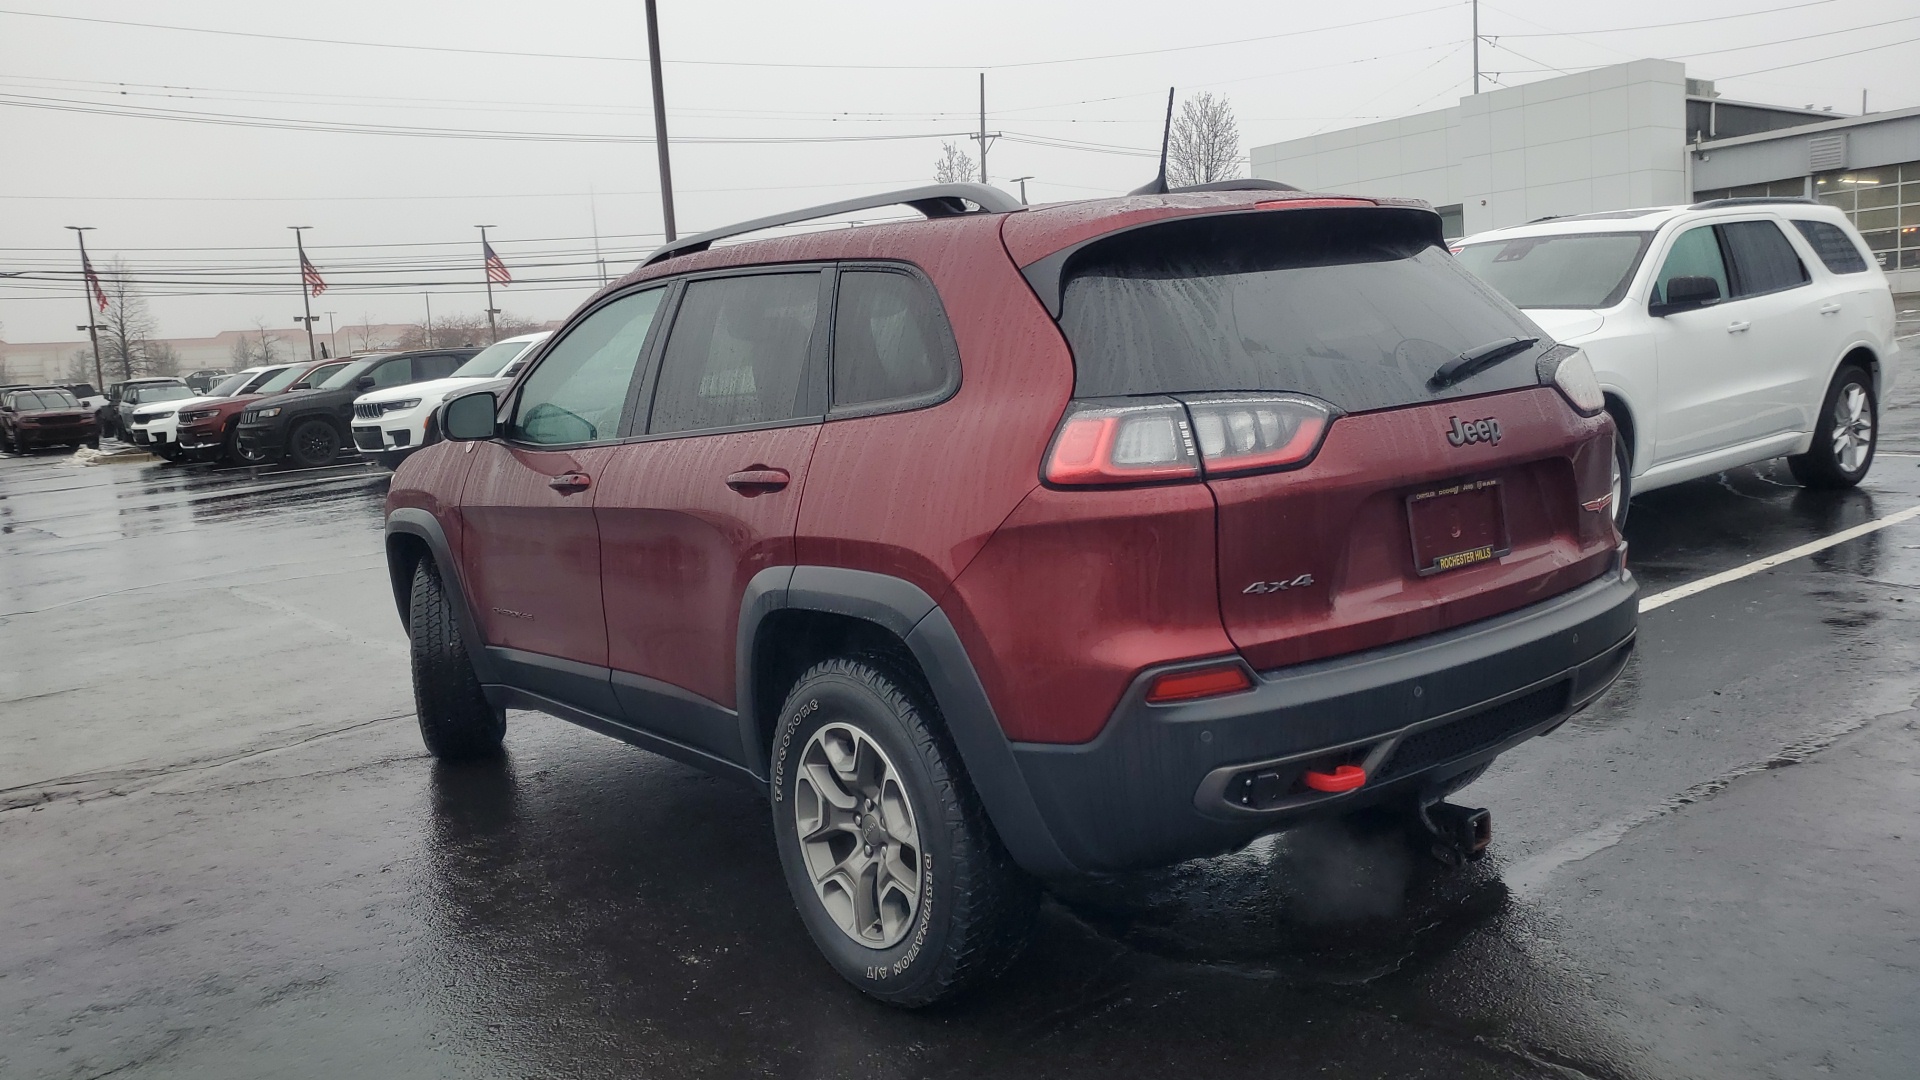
<point>1474,361</point>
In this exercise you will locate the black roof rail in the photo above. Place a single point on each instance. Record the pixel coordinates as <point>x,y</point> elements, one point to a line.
<point>1245,183</point>
<point>1754,200</point>
<point>933,200</point>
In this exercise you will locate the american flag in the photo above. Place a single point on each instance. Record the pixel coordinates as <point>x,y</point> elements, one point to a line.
<point>311,276</point>
<point>93,281</point>
<point>496,270</point>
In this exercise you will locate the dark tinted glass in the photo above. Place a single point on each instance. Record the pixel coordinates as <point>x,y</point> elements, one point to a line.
<point>579,391</point>
<point>393,373</point>
<point>438,366</point>
<point>1357,307</point>
<point>1763,259</point>
<point>889,341</point>
<point>27,401</point>
<point>82,389</point>
<point>58,399</point>
<point>738,353</point>
<point>1833,245</point>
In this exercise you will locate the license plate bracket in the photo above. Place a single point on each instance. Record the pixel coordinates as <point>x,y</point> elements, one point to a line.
<point>1459,525</point>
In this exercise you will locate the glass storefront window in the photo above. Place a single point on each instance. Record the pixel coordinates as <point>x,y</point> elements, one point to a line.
<point>1884,204</point>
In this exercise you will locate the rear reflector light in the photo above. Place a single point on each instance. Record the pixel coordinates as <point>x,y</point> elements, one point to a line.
<point>1158,439</point>
<point>1344,778</point>
<point>1196,683</point>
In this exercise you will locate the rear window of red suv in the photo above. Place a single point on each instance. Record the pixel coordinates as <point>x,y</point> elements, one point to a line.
<point>1356,307</point>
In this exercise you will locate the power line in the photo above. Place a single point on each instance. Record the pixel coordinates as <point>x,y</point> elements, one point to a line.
<point>1664,25</point>
<point>1795,39</point>
<point>713,63</point>
<point>1818,59</point>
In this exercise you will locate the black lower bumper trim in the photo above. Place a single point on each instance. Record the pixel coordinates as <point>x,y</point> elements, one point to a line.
<point>1154,787</point>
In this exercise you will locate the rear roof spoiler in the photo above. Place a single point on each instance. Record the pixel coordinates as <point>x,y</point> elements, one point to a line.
<point>933,200</point>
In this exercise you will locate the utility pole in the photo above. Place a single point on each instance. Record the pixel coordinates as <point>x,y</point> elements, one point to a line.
<point>660,122</point>
<point>1476,46</point>
<point>983,127</point>
<point>87,297</point>
<point>428,297</point>
<point>333,337</point>
<point>306,297</point>
<point>1022,181</point>
<point>486,274</point>
<point>593,214</point>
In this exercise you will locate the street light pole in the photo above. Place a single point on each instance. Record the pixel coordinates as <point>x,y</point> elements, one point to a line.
<point>428,297</point>
<point>306,297</point>
<point>486,275</point>
<point>660,121</point>
<point>333,338</point>
<point>86,296</point>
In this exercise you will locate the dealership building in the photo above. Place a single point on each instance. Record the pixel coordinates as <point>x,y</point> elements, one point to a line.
<point>1629,135</point>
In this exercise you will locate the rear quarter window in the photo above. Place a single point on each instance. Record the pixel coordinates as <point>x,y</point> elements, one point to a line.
<point>1835,248</point>
<point>1356,307</point>
<point>891,344</point>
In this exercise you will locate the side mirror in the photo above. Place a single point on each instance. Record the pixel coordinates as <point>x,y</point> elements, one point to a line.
<point>1687,293</point>
<point>364,382</point>
<point>470,417</point>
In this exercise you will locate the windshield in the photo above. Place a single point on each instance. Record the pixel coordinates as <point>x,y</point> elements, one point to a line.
<point>1356,307</point>
<point>280,381</point>
<point>1573,270</point>
<point>151,394</point>
<point>491,360</point>
<point>229,386</point>
<point>27,401</point>
<point>82,389</point>
<point>345,375</point>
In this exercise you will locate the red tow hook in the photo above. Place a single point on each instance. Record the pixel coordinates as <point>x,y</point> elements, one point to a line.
<point>1344,778</point>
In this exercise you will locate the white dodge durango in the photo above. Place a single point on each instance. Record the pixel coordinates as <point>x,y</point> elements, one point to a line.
<point>1723,333</point>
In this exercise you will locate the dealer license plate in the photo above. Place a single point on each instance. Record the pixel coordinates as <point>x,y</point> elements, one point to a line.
<point>1457,526</point>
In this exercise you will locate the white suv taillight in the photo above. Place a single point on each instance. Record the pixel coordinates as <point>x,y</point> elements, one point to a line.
<point>1160,439</point>
<point>1566,367</point>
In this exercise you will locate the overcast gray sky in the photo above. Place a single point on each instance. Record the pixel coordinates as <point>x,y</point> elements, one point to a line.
<point>202,198</point>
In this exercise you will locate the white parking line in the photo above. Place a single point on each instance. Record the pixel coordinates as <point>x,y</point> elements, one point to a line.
<point>1692,588</point>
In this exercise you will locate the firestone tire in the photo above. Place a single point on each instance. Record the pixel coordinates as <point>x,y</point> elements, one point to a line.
<point>961,911</point>
<point>456,721</point>
<point>313,443</point>
<point>1845,434</point>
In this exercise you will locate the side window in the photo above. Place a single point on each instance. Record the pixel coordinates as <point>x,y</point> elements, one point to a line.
<point>579,392</point>
<point>438,366</point>
<point>737,353</point>
<point>1695,254</point>
<point>392,373</point>
<point>1833,245</point>
<point>889,342</point>
<point>1763,259</point>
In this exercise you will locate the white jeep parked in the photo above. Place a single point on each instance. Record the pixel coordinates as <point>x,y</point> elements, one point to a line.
<point>396,421</point>
<point>1723,333</point>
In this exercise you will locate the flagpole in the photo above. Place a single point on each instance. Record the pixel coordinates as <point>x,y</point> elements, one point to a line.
<point>306,294</point>
<point>86,296</point>
<point>493,332</point>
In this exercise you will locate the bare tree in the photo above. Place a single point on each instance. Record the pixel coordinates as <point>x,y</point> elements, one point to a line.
<point>454,331</point>
<point>80,368</point>
<point>162,358</point>
<point>1205,144</point>
<point>954,166</point>
<point>257,349</point>
<point>126,327</point>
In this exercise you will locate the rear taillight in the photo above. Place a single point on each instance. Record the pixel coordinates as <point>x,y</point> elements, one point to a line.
<point>1102,443</point>
<point>1159,439</point>
<point>1566,368</point>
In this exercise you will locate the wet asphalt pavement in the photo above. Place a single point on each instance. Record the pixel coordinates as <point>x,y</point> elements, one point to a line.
<point>223,852</point>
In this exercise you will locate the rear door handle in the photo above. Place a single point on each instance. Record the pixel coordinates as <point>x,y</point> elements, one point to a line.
<point>1737,326</point>
<point>1829,309</point>
<point>568,483</point>
<point>758,480</point>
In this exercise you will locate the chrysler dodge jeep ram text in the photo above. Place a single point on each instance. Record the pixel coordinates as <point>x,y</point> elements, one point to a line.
<point>1019,543</point>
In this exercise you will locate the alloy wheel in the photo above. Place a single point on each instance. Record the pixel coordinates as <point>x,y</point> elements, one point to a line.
<point>1852,428</point>
<point>858,837</point>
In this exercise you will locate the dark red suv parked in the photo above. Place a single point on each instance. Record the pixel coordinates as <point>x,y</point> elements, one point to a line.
<point>1017,544</point>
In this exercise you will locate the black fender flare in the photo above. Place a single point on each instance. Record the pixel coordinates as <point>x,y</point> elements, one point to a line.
<point>414,522</point>
<point>906,611</point>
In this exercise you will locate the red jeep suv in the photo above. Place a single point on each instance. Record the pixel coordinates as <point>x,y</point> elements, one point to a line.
<point>1023,543</point>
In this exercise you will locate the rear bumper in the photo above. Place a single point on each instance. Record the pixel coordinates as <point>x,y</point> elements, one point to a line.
<point>1164,783</point>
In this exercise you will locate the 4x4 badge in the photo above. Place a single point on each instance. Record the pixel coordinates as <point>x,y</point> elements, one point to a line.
<point>1486,431</point>
<point>1259,587</point>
